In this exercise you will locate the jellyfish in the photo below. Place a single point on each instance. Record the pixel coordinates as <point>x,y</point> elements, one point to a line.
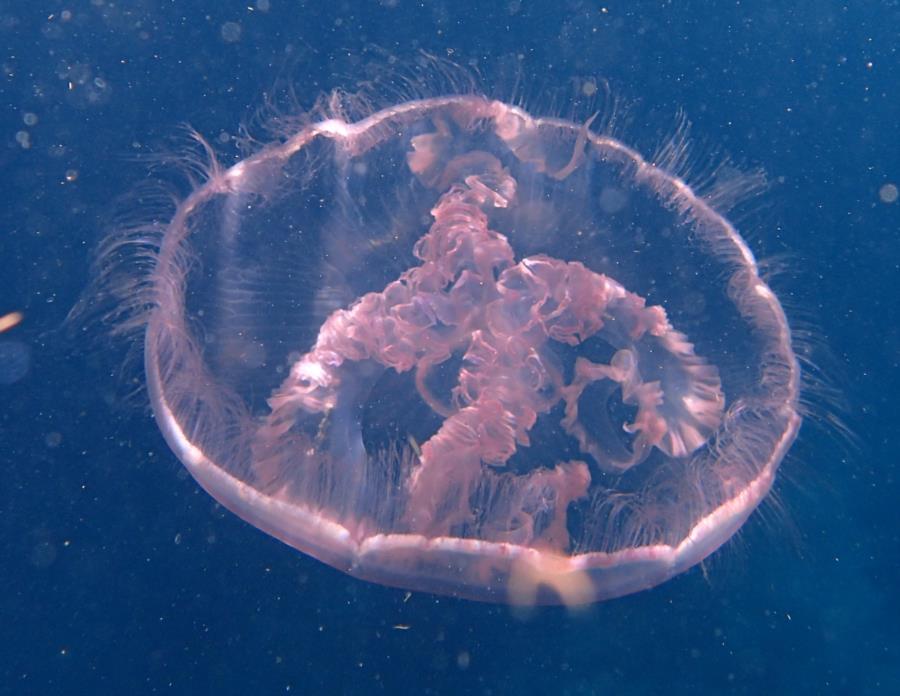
<point>454,347</point>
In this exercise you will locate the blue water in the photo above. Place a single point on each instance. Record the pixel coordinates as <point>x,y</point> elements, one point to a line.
<point>119,574</point>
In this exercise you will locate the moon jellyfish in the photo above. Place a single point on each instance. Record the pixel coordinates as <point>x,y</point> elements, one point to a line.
<point>454,347</point>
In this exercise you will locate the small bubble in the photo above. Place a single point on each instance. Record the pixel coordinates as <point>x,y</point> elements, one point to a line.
<point>888,193</point>
<point>231,32</point>
<point>24,139</point>
<point>29,118</point>
<point>71,175</point>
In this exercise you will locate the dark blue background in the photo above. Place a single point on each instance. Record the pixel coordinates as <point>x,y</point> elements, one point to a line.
<point>118,573</point>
